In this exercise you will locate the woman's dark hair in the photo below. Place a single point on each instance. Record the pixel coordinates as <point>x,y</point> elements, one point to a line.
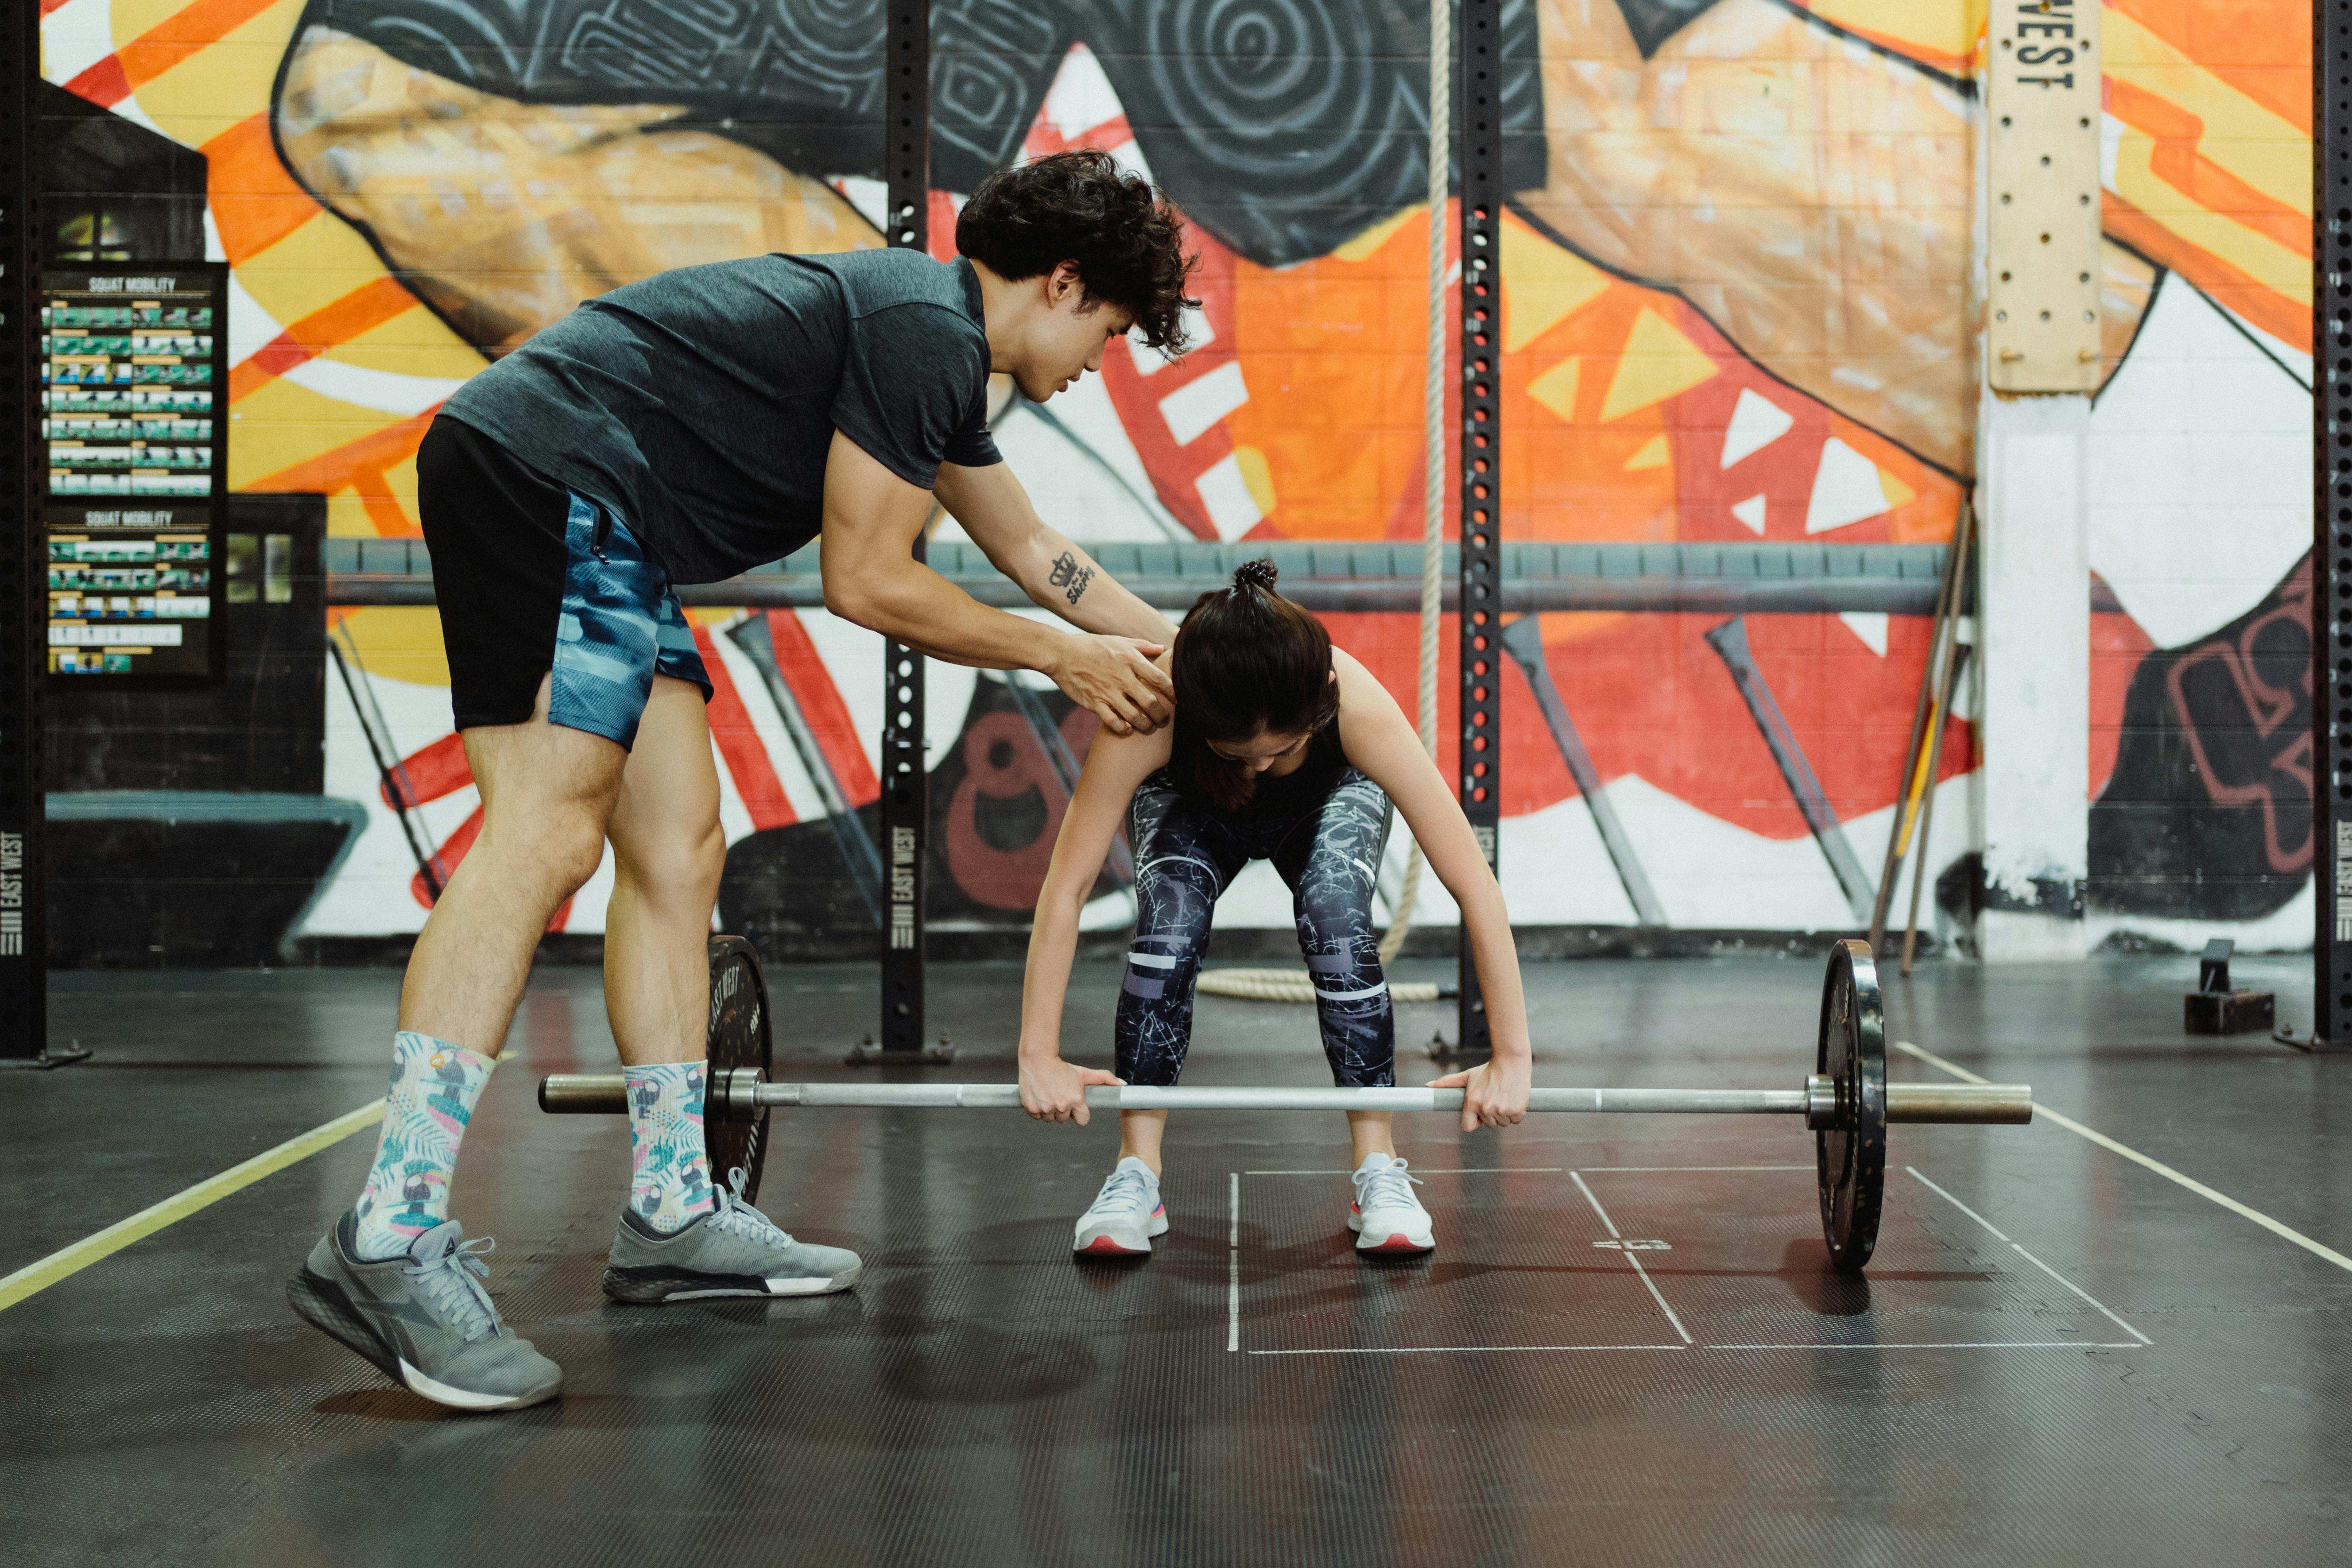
<point>1079,206</point>
<point>1248,661</point>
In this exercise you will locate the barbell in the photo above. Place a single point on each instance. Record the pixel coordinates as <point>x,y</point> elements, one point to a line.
<point>1845,1101</point>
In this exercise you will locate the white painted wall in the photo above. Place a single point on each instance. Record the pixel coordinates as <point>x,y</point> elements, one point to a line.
<point>2035,655</point>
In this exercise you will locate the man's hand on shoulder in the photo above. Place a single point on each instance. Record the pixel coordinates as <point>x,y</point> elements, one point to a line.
<point>1117,679</point>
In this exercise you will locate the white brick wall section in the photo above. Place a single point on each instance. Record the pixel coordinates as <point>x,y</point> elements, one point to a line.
<point>1231,509</point>
<point>1198,404</point>
<point>1129,156</point>
<point>76,37</point>
<point>1082,97</point>
<point>1198,334</point>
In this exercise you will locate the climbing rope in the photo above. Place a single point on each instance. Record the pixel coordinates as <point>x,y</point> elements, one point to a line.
<point>1293,985</point>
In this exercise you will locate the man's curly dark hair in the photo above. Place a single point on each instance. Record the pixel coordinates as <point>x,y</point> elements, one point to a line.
<point>1079,206</point>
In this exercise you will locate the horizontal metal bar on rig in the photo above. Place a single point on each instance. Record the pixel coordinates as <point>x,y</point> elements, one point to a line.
<point>1905,1102</point>
<point>1697,579</point>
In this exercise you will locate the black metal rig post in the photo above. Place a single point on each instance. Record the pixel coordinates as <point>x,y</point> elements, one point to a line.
<point>906,793</point>
<point>2331,551</point>
<point>1479,115</point>
<point>23,574</point>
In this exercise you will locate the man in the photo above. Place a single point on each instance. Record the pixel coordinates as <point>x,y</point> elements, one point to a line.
<point>679,430</point>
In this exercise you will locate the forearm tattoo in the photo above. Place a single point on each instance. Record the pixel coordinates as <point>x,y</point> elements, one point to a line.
<point>1071,577</point>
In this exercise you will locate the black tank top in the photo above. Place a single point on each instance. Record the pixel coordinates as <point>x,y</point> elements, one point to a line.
<point>1304,787</point>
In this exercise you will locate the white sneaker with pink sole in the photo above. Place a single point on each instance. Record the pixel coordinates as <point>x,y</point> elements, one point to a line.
<point>1386,1217</point>
<point>1127,1213</point>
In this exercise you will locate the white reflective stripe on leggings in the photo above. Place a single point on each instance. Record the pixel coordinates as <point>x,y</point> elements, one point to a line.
<point>1322,995</point>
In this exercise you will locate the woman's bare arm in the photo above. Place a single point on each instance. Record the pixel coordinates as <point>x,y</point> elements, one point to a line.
<point>1050,1089</point>
<point>1381,742</point>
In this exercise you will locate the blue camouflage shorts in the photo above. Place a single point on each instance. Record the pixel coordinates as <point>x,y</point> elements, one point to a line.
<point>537,582</point>
<point>620,626</point>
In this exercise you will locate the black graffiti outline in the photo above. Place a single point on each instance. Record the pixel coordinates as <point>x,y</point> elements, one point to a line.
<point>2270,708</point>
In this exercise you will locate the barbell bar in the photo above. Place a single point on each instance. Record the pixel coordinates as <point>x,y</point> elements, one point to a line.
<point>1846,1101</point>
<point>578,1093</point>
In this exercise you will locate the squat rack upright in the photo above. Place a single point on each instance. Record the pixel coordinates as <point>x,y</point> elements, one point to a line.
<point>24,569</point>
<point>906,812</point>
<point>1478,112</point>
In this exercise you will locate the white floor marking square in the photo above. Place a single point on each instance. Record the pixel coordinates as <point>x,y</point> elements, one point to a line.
<point>1629,1250</point>
<point>2020,1251</point>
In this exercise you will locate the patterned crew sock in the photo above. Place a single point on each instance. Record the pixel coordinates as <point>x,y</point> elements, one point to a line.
<point>669,1172</point>
<point>433,1086</point>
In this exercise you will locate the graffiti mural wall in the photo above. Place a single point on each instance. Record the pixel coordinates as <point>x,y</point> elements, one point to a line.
<point>1738,307</point>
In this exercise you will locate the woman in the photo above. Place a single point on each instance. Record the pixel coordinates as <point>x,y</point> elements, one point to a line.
<point>1286,750</point>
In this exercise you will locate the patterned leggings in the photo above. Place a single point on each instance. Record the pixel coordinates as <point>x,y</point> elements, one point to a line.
<point>1186,855</point>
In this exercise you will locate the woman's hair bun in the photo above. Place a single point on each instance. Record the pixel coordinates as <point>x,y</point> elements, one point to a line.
<point>1259,573</point>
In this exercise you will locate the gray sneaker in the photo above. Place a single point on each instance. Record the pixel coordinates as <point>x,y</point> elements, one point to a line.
<point>733,1250</point>
<point>424,1319</point>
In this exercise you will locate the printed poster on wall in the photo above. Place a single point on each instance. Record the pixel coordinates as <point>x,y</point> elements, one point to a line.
<point>135,451</point>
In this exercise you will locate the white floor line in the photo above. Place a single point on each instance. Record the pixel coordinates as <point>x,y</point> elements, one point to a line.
<point>1954,1345</point>
<point>1656,1296</point>
<point>1233,1269</point>
<point>2043,1113</point>
<point>1443,1171</point>
<point>1651,1285</point>
<point>1465,1350</point>
<point>1696,1167</point>
<point>1941,1192</point>
<point>2083,1293</point>
<point>1578,1177</point>
<point>1944,1194</point>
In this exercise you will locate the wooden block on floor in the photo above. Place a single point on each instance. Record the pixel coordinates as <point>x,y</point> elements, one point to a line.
<point>2228,1011</point>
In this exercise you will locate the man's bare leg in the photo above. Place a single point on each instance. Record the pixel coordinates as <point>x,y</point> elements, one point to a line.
<point>546,794</point>
<point>393,1282</point>
<point>667,853</point>
<point>676,1242</point>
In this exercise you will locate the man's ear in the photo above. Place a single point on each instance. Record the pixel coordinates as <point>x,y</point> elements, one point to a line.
<point>1063,283</point>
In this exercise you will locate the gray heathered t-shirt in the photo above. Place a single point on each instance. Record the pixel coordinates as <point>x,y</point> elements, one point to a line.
<point>700,403</point>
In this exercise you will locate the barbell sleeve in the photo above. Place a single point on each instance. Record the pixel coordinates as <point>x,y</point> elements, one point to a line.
<point>583,1094</point>
<point>2007,1104</point>
<point>604,1092</point>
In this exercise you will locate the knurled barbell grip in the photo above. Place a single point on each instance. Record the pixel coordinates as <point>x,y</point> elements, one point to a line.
<point>1998,1103</point>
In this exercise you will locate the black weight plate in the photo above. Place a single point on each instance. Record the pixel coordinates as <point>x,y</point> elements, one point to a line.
<point>739,1038</point>
<point>1852,1156</point>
